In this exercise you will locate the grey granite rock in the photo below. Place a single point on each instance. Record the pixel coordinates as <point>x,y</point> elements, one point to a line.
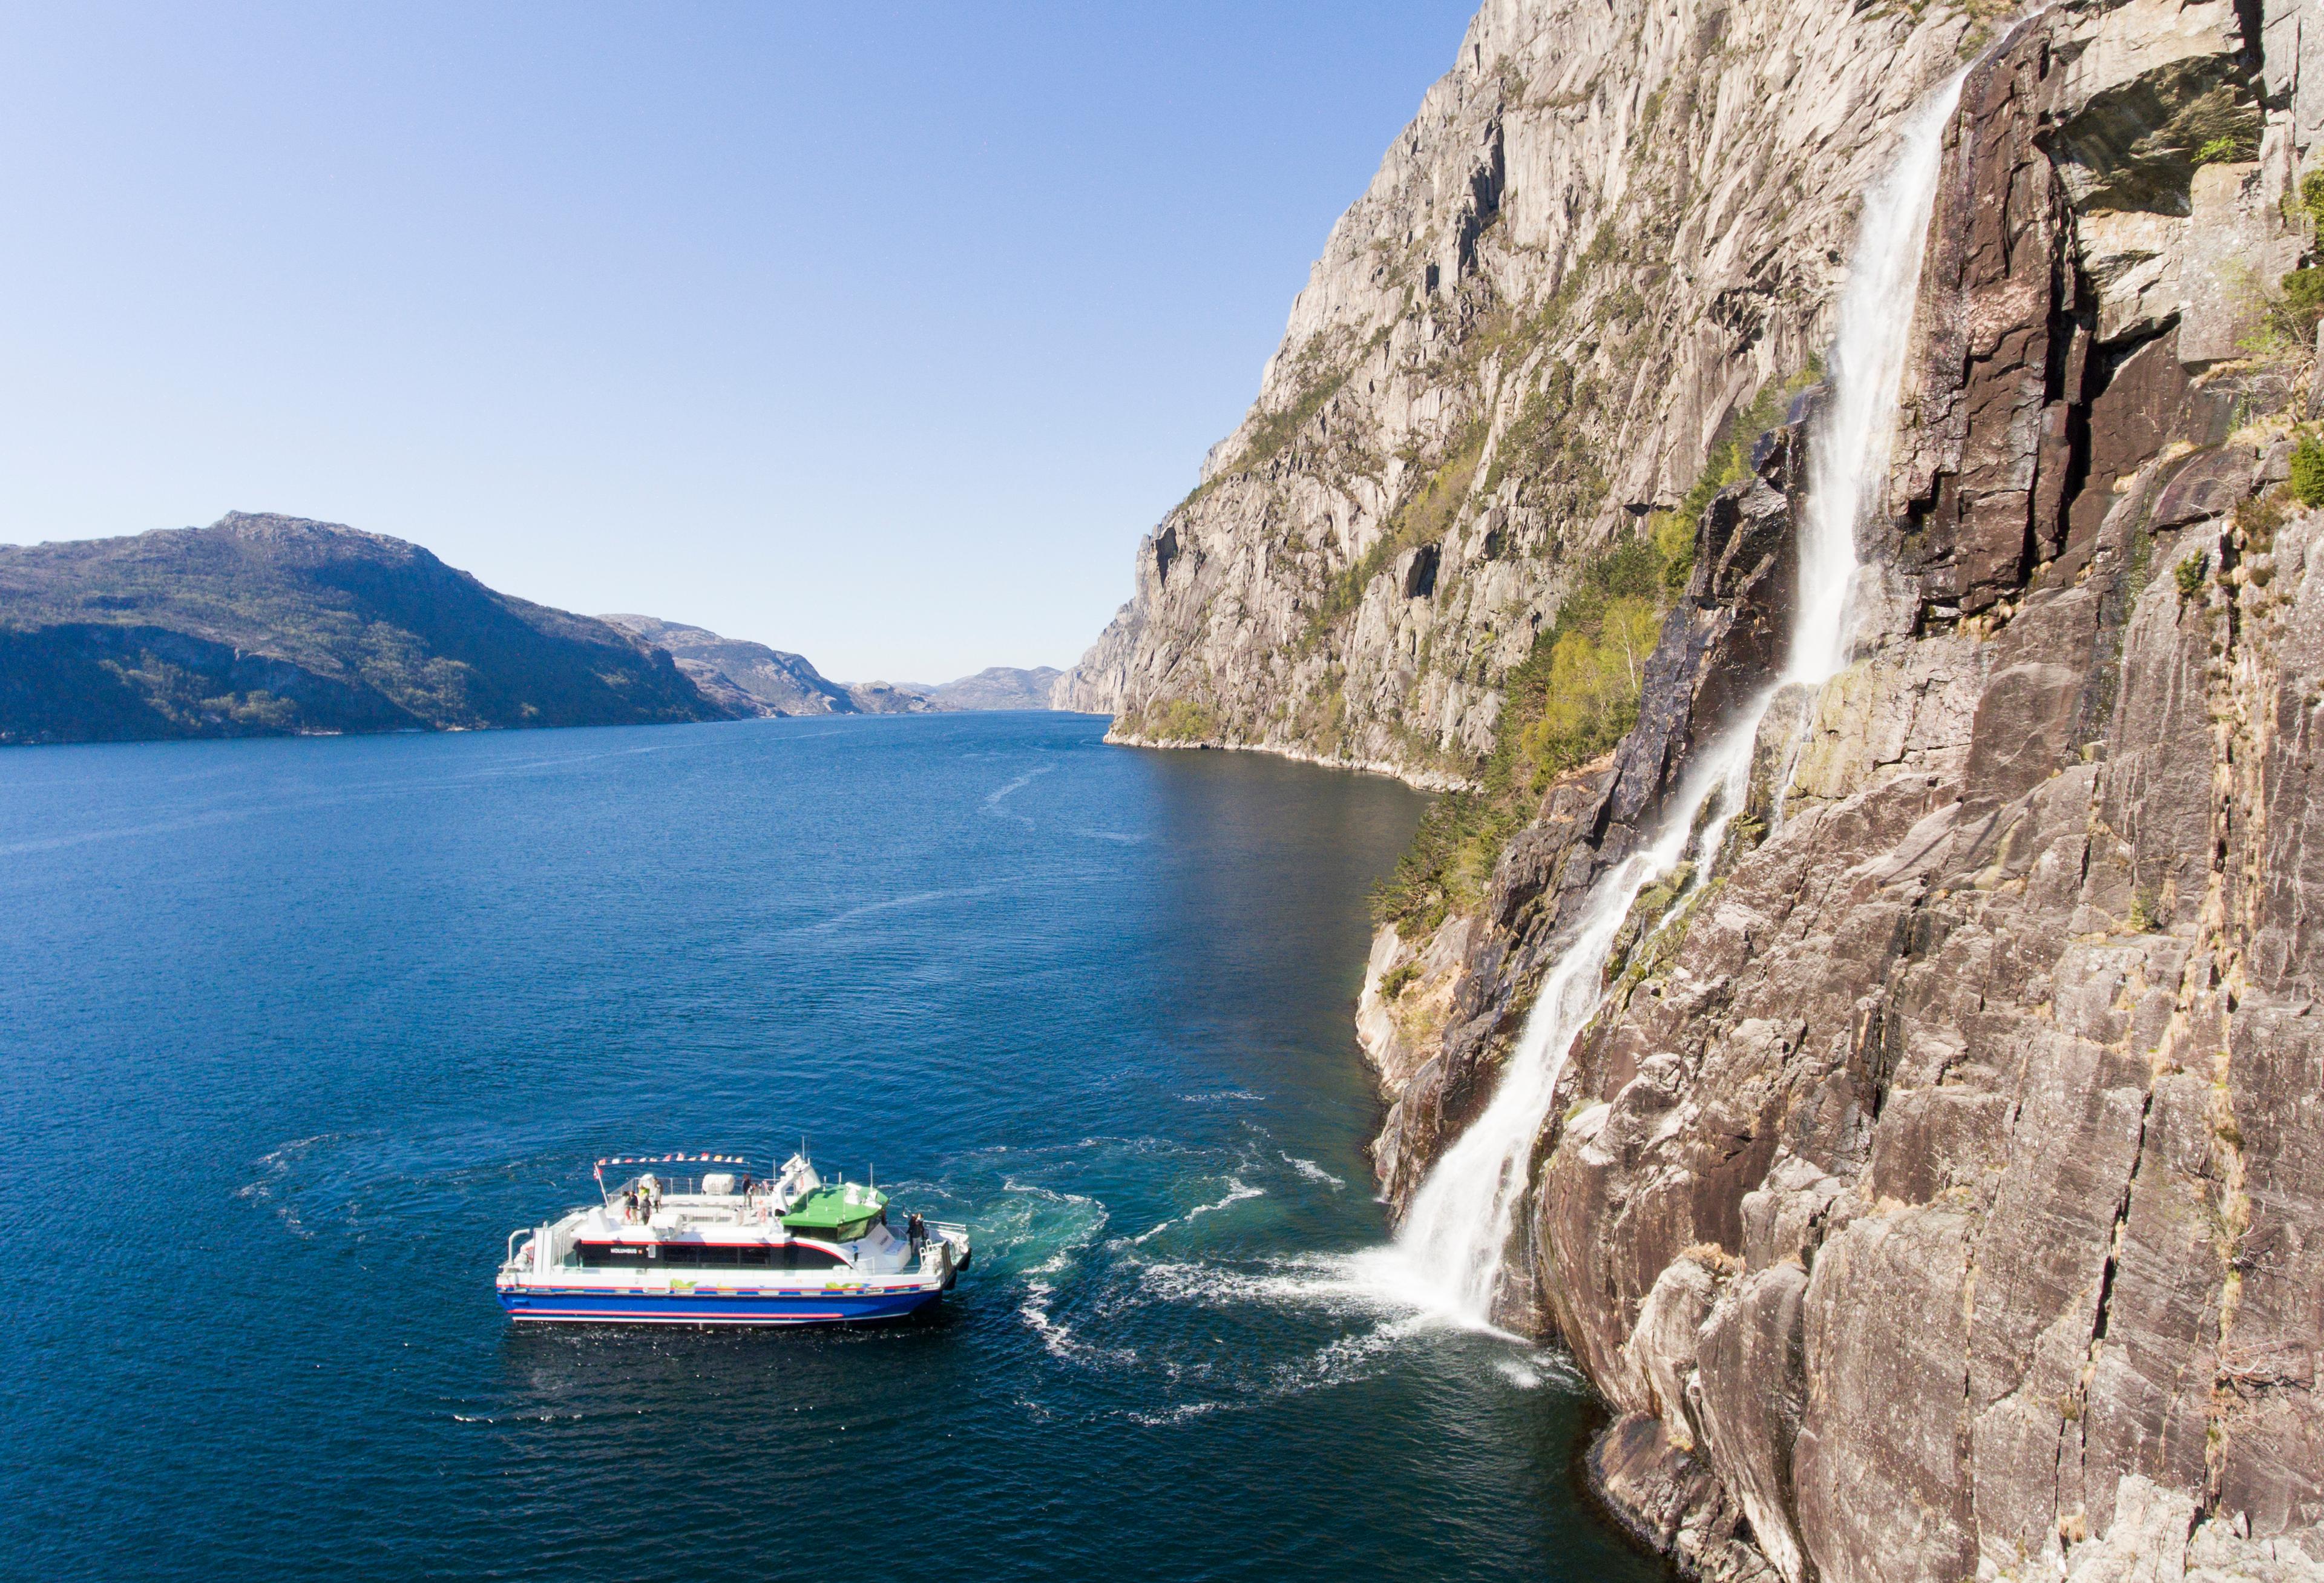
<point>1941,1203</point>
<point>1938,1196</point>
<point>1607,229</point>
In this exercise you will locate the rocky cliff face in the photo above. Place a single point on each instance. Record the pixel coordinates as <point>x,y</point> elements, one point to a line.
<point>1933,1193</point>
<point>998,686</point>
<point>748,678</point>
<point>1608,228</point>
<point>751,679</point>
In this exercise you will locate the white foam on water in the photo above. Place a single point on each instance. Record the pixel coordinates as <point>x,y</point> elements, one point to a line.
<point>993,800</point>
<point>1313,1171</point>
<point>1058,1338</point>
<point>1182,1413</point>
<point>1237,1191</point>
<point>1311,1281</point>
<point>272,1191</point>
<point>1014,1228</point>
<point>890,904</point>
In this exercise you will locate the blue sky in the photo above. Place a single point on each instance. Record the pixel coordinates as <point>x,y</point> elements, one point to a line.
<point>879,334</point>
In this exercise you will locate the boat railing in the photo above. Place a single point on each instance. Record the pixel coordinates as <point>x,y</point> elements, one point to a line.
<point>526,1232</point>
<point>685,1187</point>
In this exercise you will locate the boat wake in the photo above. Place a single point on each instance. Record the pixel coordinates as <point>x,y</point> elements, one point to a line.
<point>1197,1314</point>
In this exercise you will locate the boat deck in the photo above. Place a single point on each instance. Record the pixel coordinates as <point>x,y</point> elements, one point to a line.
<point>665,1251</point>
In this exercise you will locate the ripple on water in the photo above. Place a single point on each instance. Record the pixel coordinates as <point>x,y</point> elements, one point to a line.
<point>353,1009</point>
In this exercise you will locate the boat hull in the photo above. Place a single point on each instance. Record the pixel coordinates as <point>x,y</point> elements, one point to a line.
<point>569,1306</point>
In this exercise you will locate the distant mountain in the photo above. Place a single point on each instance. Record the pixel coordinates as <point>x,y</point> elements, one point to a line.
<point>998,686</point>
<point>752,677</point>
<point>267,626</point>
<point>883,698</point>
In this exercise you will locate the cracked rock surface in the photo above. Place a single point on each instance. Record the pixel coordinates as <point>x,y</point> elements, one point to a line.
<point>1938,1197</point>
<point>1937,1192</point>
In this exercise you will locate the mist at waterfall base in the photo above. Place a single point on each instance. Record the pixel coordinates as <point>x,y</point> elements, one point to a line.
<point>1449,1254</point>
<point>297,1032</point>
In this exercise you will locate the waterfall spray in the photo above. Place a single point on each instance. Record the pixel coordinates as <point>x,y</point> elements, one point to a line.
<point>1461,1219</point>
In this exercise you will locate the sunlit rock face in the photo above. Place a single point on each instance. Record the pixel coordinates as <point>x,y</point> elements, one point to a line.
<point>1933,1194</point>
<point>1608,227</point>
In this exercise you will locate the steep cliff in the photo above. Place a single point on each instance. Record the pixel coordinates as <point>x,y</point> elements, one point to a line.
<point>1609,229</point>
<point>1932,1190</point>
<point>1928,1148</point>
<point>748,678</point>
<point>998,686</point>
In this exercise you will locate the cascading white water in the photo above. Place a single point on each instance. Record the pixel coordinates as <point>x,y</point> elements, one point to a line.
<point>1461,1217</point>
<point>1848,454</point>
<point>1453,1238</point>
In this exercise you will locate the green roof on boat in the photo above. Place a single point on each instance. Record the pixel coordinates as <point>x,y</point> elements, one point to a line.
<point>828,1209</point>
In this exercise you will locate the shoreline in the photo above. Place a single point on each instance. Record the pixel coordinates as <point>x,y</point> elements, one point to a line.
<point>1430,780</point>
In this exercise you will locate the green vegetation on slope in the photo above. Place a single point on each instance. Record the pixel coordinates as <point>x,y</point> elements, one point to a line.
<point>1424,518</point>
<point>264,626</point>
<point>1177,719</point>
<point>1572,698</point>
<point>1576,694</point>
<point>2308,471</point>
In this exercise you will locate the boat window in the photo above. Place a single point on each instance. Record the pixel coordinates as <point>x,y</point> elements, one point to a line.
<point>608,1255</point>
<point>727,1254</point>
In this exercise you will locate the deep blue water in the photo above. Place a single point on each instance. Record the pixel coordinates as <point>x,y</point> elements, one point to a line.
<point>293,1032</point>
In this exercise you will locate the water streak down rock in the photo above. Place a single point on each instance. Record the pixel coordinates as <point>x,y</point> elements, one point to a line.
<point>1933,1193</point>
<point>1608,228</point>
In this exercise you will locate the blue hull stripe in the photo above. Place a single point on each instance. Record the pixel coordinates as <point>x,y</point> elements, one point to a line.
<point>630,1308</point>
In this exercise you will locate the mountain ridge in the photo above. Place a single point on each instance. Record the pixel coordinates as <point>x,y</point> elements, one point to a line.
<point>267,625</point>
<point>758,680</point>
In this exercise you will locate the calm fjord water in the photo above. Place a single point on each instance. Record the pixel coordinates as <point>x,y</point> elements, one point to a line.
<point>296,1032</point>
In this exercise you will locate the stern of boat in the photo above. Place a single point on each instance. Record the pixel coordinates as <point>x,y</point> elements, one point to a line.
<point>948,1251</point>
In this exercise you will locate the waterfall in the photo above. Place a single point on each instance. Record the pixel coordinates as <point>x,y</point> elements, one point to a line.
<point>1453,1239</point>
<point>1847,453</point>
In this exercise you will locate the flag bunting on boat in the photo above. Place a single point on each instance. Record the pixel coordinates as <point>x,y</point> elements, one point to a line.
<point>672,1159</point>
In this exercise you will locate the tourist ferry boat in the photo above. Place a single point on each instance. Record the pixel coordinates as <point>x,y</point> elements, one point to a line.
<point>722,1246</point>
